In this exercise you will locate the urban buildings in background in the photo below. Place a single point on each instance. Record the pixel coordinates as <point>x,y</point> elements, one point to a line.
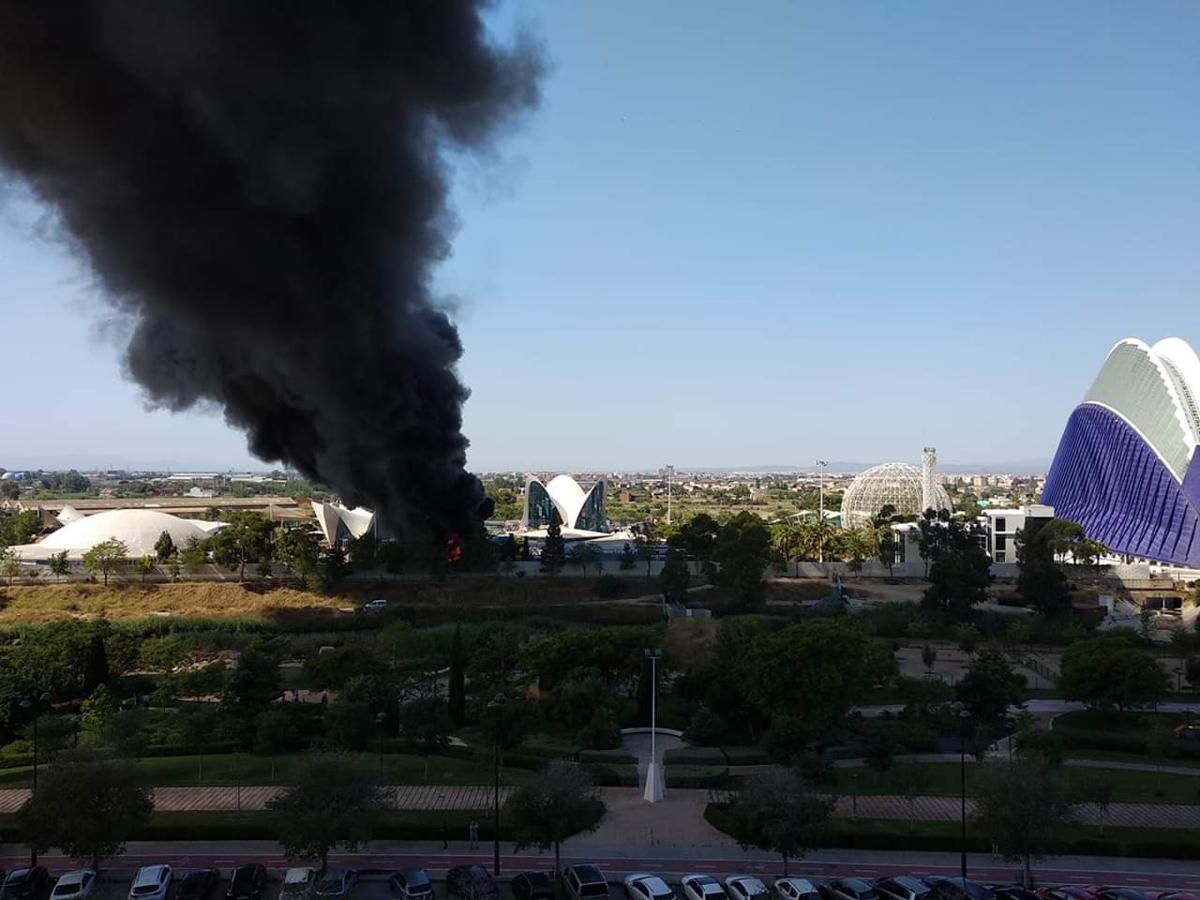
<point>1126,467</point>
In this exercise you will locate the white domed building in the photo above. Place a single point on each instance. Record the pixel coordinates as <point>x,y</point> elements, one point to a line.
<point>909,490</point>
<point>137,529</point>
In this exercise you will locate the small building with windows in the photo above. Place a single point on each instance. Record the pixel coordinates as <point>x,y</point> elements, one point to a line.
<point>1003,526</point>
<point>564,500</point>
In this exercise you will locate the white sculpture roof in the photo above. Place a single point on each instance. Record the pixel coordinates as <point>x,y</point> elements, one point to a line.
<point>1157,391</point>
<point>567,496</point>
<point>358,521</point>
<point>138,529</point>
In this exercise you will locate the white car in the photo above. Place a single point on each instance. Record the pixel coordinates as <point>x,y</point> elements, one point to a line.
<point>796,889</point>
<point>702,887</point>
<point>745,887</point>
<point>76,885</point>
<point>641,886</point>
<point>298,884</point>
<point>151,883</point>
<point>379,604</point>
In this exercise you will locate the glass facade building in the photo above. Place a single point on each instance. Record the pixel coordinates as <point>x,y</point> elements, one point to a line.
<point>562,499</point>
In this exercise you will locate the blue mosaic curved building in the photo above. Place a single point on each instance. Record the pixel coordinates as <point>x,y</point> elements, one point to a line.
<point>1126,468</point>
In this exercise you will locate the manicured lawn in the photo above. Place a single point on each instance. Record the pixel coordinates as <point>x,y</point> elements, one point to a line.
<point>942,780</point>
<point>1114,756</point>
<point>229,769</point>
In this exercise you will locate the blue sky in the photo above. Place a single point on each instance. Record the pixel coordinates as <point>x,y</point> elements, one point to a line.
<point>744,234</point>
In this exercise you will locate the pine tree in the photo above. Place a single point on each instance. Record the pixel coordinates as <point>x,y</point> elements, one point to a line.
<point>95,665</point>
<point>553,551</point>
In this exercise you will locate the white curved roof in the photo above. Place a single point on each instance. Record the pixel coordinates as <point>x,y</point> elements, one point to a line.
<point>567,496</point>
<point>895,484</point>
<point>68,514</point>
<point>137,529</point>
<point>358,521</point>
<point>1156,390</point>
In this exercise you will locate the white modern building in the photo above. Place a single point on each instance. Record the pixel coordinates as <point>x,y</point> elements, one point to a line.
<point>1003,526</point>
<point>908,490</point>
<point>565,500</point>
<point>337,523</point>
<point>138,529</point>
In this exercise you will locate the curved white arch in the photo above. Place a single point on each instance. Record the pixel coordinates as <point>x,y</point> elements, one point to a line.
<point>1144,388</point>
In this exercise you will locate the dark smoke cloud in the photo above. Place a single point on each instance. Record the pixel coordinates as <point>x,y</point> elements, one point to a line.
<point>260,184</point>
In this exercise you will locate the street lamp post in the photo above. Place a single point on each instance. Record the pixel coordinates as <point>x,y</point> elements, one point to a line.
<point>654,787</point>
<point>34,703</point>
<point>821,465</point>
<point>961,712</point>
<point>496,704</point>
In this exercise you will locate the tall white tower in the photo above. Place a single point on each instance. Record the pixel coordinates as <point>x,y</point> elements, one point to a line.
<point>928,476</point>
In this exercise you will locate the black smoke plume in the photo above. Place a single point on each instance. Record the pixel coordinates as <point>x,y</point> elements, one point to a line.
<point>261,185</point>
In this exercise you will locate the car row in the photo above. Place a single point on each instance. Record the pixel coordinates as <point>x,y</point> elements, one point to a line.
<point>579,882</point>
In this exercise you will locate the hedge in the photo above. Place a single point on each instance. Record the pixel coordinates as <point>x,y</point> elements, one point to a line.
<point>716,756</point>
<point>695,776</point>
<point>612,757</point>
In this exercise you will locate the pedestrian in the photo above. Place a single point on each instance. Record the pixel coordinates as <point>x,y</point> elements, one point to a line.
<point>473,834</point>
<point>445,845</point>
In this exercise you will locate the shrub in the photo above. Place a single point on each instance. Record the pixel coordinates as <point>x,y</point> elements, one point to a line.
<point>602,732</point>
<point>704,728</point>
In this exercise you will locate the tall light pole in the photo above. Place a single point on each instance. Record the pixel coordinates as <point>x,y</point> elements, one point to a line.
<point>821,465</point>
<point>654,787</point>
<point>963,715</point>
<point>34,703</point>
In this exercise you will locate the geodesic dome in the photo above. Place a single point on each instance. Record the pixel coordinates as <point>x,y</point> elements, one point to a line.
<point>897,484</point>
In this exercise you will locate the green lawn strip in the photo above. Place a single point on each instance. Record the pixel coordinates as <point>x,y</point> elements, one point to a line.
<point>893,834</point>
<point>229,769</point>
<point>1115,756</point>
<point>942,780</point>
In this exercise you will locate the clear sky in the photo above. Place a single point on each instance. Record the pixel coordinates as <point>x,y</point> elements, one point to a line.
<point>749,234</point>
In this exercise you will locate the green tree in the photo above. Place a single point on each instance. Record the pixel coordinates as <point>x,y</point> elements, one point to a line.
<point>105,557</point>
<point>990,687</point>
<point>928,658</point>
<point>194,555</point>
<point>627,560</point>
<point>88,805</point>
<point>19,528</point>
<point>674,578</point>
<point>1111,671</point>
<point>1024,809</point>
<point>10,565</point>
<point>97,715</point>
<point>1041,581</point>
<point>425,722</point>
<point>559,802</point>
<point>779,812</point>
<point>254,683</point>
<point>145,566</point>
<point>334,802</point>
<point>95,664</point>
<point>246,539</point>
<point>364,551</point>
<point>697,537</point>
<point>457,706</point>
<point>814,670</point>
<point>333,568</point>
<point>553,550</point>
<point>298,550</point>
<point>164,547</point>
<point>959,572</point>
<point>9,489</point>
<point>888,548</point>
<point>59,565</point>
<point>585,555</point>
<point>743,552</point>
<point>602,731</point>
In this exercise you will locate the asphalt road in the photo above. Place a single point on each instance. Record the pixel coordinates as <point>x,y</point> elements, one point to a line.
<point>1142,874</point>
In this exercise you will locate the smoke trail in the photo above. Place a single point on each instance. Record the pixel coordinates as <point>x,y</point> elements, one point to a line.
<point>261,185</point>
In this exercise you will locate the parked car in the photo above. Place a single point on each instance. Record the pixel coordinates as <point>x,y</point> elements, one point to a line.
<point>901,887</point>
<point>745,887</point>
<point>1173,895</point>
<point>247,883</point>
<point>74,885</point>
<point>471,883</point>
<point>584,881</point>
<point>27,883</point>
<point>379,604</point>
<point>197,884</point>
<point>943,888</point>
<point>1118,893</point>
<point>411,884</point>
<point>796,889</point>
<point>1066,892</point>
<point>848,889</point>
<point>1012,892</point>
<point>532,886</point>
<point>336,883</point>
<point>151,883</point>
<point>641,886</point>
<point>298,883</point>
<point>702,887</point>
